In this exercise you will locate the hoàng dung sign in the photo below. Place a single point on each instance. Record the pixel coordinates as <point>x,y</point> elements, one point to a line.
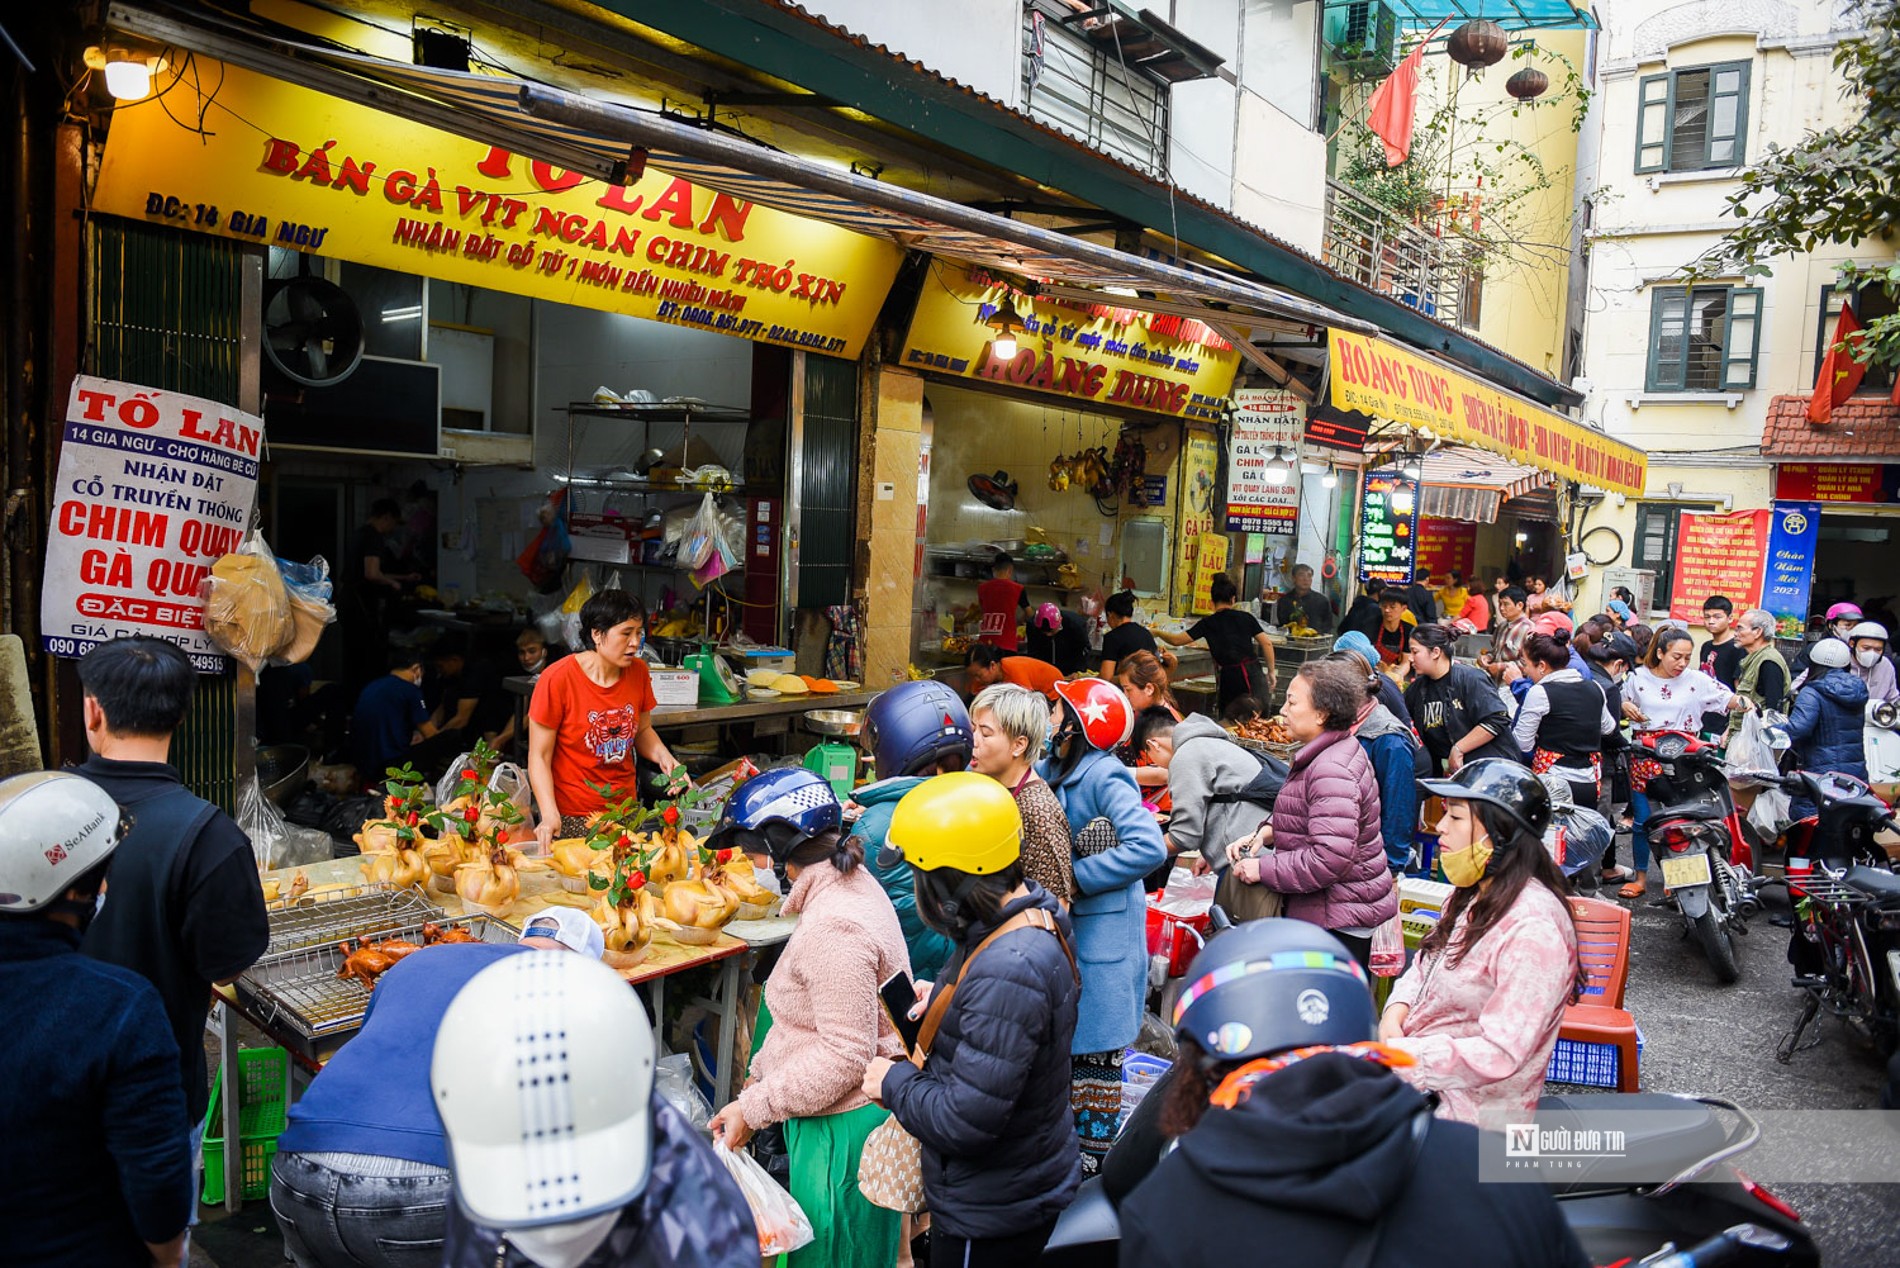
<point>1092,353</point>
<point>153,487</point>
<point>286,166</point>
<point>1382,379</point>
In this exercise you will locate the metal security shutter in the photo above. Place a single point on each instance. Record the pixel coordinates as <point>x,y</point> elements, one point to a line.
<point>168,312</point>
<point>828,482</point>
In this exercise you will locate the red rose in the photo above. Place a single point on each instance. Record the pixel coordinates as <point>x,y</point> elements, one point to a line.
<point>472,813</point>
<point>625,842</point>
<point>671,816</point>
<point>414,818</point>
<point>724,856</point>
<point>637,879</point>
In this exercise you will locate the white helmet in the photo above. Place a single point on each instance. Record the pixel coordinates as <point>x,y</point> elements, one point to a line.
<point>1868,629</point>
<point>1831,653</point>
<point>54,828</point>
<point>542,1073</point>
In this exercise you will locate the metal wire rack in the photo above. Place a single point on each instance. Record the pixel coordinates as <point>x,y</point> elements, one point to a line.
<point>345,913</point>
<point>298,993</point>
<point>1827,890</point>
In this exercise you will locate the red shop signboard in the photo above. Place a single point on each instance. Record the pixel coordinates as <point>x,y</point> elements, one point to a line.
<point>1866,482</point>
<point>1445,545</point>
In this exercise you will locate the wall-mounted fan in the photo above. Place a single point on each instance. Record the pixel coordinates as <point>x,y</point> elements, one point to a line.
<point>313,332</point>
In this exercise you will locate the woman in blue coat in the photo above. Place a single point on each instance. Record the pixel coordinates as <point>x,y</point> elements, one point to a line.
<point>1825,731</point>
<point>1117,842</point>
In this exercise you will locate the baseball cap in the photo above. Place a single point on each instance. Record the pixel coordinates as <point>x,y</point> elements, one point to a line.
<point>1549,622</point>
<point>574,930</point>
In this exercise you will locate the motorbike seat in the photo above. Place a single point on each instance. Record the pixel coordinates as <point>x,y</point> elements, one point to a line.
<point>1702,809</point>
<point>1877,881</point>
<point>1663,1135</point>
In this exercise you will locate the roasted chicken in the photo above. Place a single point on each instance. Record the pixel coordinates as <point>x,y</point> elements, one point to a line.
<point>434,934</point>
<point>367,961</point>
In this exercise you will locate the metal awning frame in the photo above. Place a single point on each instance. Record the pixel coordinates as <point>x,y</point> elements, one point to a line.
<point>624,137</point>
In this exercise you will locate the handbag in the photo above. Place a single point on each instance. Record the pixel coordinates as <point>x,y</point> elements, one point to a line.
<point>1243,902</point>
<point>891,1165</point>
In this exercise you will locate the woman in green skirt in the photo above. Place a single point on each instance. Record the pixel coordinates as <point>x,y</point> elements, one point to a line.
<point>826,1020</point>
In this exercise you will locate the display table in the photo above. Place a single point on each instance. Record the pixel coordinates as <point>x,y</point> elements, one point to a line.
<point>677,717</point>
<point>539,890</point>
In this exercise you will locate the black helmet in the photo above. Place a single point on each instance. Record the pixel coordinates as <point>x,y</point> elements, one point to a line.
<point>1495,781</point>
<point>1271,985</point>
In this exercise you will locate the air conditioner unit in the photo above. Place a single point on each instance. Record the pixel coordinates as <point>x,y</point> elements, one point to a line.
<point>1361,36</point>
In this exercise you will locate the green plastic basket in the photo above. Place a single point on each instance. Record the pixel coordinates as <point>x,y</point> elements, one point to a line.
<point>263,1101</point>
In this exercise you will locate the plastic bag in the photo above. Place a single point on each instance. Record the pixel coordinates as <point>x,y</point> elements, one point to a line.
<point>702,537</point>
<point>1388,949</point>
<point>1187,894</point>
<point>274,842</point>
<point>507,781</point>
<point>673,1080</point>
<point>782,1224</point>
<point>1749,755</point>
<point>311,608</point>
<point>247,607</point>
<point>1771,812</point>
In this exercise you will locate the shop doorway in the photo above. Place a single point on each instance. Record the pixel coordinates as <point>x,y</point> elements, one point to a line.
<point>1853,561</point>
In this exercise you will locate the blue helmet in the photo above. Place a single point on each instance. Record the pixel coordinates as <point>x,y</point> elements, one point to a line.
<point>913,726</point>
<point>794,797</point>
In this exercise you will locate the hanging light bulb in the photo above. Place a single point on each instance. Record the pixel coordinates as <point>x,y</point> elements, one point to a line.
<point>1005,322</point>
<point>1276,466</point>
<point>1331,479</point>
<point>128,74</point>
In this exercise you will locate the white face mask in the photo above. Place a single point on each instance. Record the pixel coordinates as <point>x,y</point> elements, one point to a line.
<point>1868,657</point>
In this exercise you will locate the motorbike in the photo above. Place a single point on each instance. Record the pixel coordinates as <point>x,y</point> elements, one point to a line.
<point>1706,850</point>
<point>1880,738</point>
<point>1845,898</point>
<point>1708,1212</point>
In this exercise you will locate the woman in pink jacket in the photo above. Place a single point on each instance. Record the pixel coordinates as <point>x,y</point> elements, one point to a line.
<point>826,1022</point>
<point>1480,1007</point>
<point>1328,855</point>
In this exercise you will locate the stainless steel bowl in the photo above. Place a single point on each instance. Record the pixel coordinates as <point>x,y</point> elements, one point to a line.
<point>833,722</point>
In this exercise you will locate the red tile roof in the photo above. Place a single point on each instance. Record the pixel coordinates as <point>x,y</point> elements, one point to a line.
<point>1861,428</point>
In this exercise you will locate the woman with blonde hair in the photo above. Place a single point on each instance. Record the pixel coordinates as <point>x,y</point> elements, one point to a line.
<point>1009,724</point>
<point>1144,679</point>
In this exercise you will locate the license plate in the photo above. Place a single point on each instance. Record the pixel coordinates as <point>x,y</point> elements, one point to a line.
<point>1691,869</point>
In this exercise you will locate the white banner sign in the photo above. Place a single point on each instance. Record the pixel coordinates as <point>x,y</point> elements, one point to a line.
<point>153,487</point>
<point>1265,418</point>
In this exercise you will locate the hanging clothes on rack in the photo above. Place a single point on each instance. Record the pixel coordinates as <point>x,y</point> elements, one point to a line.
<point>844,653</point>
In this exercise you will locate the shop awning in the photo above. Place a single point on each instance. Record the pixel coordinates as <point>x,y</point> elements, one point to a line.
<point>607,140</point>
<point>1512,15</point>
<point>1460,483</point>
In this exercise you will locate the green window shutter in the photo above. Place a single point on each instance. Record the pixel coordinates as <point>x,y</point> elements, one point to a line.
<point>1668,338</point>
<point>1655,549</point>
<point>1652,123</point>
<point>828,491</point>
<point>1728,114</point>
<point>1742,339</point>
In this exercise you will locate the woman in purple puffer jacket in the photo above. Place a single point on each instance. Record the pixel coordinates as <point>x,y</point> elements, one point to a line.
<point>1327,855</point>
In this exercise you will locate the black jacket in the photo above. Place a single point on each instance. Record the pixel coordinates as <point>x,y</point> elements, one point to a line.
<point>991,1105</point>
<point>1315,1153</point>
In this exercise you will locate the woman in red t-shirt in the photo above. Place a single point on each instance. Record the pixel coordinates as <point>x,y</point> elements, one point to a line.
<point>591,717</point>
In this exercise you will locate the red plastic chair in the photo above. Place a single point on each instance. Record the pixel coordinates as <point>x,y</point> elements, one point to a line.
<point>1603,950</point>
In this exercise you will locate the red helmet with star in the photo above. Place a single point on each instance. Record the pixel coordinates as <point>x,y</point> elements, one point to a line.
<point>1101,709</point>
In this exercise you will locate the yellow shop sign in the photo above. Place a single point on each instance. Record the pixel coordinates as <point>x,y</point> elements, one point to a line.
<point>1090,352</point>
<point>277,164</point>
<point>1377,377</point>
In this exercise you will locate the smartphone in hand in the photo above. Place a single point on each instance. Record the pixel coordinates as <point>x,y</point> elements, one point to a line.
<point>899,996</point>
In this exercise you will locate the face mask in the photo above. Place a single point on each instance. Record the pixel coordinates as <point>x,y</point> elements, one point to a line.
<point>1868,657</point>
<point>1465,868</point>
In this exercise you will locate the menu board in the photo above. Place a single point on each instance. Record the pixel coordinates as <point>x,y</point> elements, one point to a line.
<point>1265,420</point>
<point>1388,528</point>
<point>1445,546</point>
<point>1719,554</point>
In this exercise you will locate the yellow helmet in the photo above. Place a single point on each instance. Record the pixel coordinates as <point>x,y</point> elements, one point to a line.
<point>962,820</point>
